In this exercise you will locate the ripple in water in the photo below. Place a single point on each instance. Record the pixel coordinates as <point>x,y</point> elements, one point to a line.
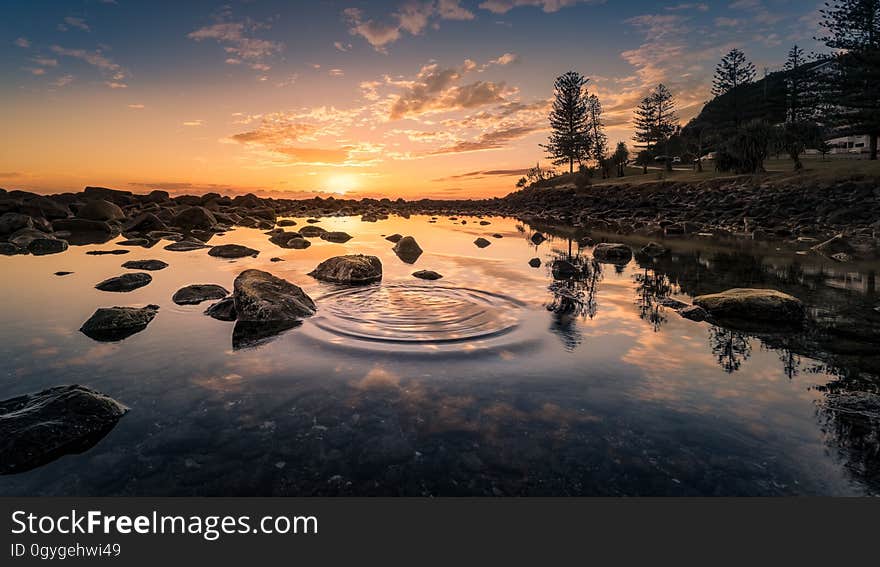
<point>413,317</point>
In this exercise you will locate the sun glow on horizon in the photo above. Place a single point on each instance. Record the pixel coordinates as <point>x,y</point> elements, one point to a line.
<point>342,183</point>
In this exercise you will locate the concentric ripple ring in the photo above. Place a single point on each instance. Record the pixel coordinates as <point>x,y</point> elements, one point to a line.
<point>414,315</point>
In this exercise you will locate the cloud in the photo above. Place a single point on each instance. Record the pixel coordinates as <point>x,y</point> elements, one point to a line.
<point>97,59</point>
<point>22,42</point>
<point>474,175</point>
<point>136,106</point>
<point>342,46</point>
<point>696,6</point>
<point>549,6</point>
<point>62,81</point>
<point>507,59</point>
<point>336,73</point>
<point>490,140</point>
<point>238,41</point>
<point>194,123</point>
<point>71,22</point>
<point>411,17</point>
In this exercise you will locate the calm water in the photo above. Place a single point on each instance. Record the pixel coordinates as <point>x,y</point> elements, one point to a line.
<point>495,380</point>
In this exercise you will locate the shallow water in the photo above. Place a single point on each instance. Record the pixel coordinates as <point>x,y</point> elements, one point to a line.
<point>495,380</point>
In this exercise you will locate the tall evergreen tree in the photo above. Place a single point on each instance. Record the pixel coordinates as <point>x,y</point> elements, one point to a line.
<point>733,72</point>
<point>569,139</point>
<point>596,132</point>
<point>853,30</point>
<point>655,121</point>
<point>798,89</point>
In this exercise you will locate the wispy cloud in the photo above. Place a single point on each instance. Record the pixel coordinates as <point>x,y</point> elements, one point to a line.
<point>22,42</point>
<point>549,6</point>
<point>114,72</point>
<point>76,23</point>
<point>238,40</point>
<point>411,17</point>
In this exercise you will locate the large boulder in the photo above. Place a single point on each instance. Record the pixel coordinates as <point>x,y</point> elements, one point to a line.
<point>353,269</point>
<point>407,249</point>
<point>13,222</point>
<point>45,207</point>
<point>232,251</point>
<point>195,218</point>
<point>763,306</point>
<point>612,253</point>
<point>146,222</point>
<point>44,246</point>
<point>312,231</point>
<point>125,282</point>
<point>223,310</point>
<point>83,225</point>
<point>100,210</point>
<point>260,296</point>
<point>482,242</point>
<point>197,293</point>
<point>118,323</point>
<point>36,429</point>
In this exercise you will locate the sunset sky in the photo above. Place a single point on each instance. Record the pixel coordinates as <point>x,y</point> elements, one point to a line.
<point>442,98</point>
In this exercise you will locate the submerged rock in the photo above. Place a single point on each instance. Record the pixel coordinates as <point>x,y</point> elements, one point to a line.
<point>311,231</point>
<point>612,253</point>
<point>223,310</point>
<point>148,265</point>
<point>353,269</point>
<point>36,429</point>
<point>260,296</point>
<point>232,251</point>
<point>197,293</point>
<point>407,249</point>
<point>185,246</point>
<point>563,270</point>
<point>107,252</point>
<point>125,282</point>
<point>252,334</point>
<point>535,262</point>
<point>482,242</point>
<point>286,222</point>
<point>62,273</point>
<point>394,238</point>
<point>538,238</point>
<point>693,313</point>
<point>427,275</point>
<point>337,237</point>
<point>118,323</point>
<point>653,250</point>
<point>765,306</point>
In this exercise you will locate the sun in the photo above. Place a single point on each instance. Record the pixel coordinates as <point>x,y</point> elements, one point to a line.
<point>342,183</point>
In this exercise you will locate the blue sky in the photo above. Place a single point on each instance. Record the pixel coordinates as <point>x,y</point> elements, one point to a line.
<point>432,97</point>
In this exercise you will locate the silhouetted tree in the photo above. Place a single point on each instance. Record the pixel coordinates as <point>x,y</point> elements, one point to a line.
<point>854,86</point>
<point>620,157</point>
<point>733,72</point>
<point>569,140</point>
<point>596,133</point>
<point>655,121</point>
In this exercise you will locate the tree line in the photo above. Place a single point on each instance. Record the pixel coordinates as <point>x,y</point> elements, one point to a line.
<point>813,98</point>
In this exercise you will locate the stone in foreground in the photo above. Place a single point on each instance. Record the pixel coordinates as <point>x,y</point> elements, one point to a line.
<point>232,251</point>
<point>223,310</point>
<point>337,237</point>
<point>482,242</point>
<point>766,306</point>
<point>148,265</point>
<point>535,262</point>
<point>36,429</point>
<point>427,275</point>
<point>197,293</point>
<point>109,324</point>
<point>353,269</point>
<point>125,282</point>
<point>44,246</point>
<point>260,296</point>
<point>612,253</point>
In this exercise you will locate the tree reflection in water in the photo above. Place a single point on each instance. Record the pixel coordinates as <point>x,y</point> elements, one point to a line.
<point>651,289</point>
<point>574,294</point>
<point>731,348</point>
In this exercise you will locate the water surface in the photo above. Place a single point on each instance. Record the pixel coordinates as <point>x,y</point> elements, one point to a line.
<point>495,380</point>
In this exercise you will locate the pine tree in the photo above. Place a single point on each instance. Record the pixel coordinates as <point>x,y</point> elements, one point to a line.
<point>733,72</point>
<point>854,86</point>
<point>655,122</point>
<point>620,157</point>
<point>569,140</point>
<point>800,86</point>
<point>596,132</point>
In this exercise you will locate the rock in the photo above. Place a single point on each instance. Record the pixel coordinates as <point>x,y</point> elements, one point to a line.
<point>498,236</point>
<point>286,222</point>
<point>842,257</point>
<point>125,282</point>
<point>611,253</point>
<point>337,237</point>
<point>311,231</point>
<point>694,313</point>
<point>62,273</point>
<point>563,270</point>
<point>276,259</point>
<point>427,275</point>
<point>535,262</point>
<point>36,429</point>
<point>394,238</point>
<point>313,221</point>
<point>232,251</point>
<point>9,249</point>
<point>23,237</point>
<point>538,238</point>
<point>407,249</point>
<point>223,310</point>
<point>135,242</point>
<point>485,223</point>
<point>145,223</point>
<point>12,222</point>
<point>260,296</point>
<point>83,225</point>
<point>482,242</point>
<point>653,250</point>
<point>44,246</point>
<point>45,207</point>
<point>253,334</point>
<point>197,293</point>
<point>106,252</point>
<point>185,246</point>
<point>353,269</point>
<point>836,245</point>
<point>195,218</point>
<point>148,265</point>
<point>100,210</point>
<point>118,323</point>
<point>673,303</point>
<point>753,305</point>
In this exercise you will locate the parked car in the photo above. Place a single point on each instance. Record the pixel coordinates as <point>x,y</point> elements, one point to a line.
<point>676,159</point>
